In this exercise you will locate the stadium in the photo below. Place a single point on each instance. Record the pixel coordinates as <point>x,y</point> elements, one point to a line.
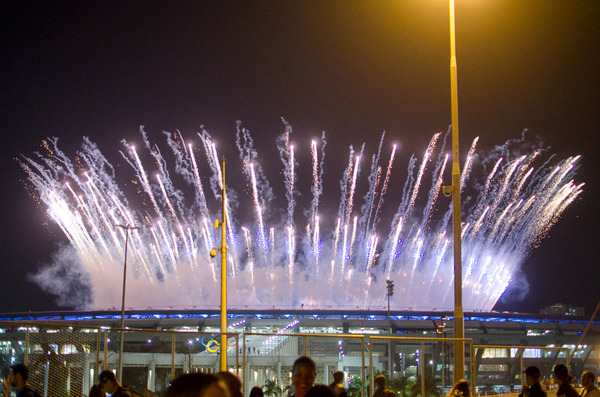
<point>414,350</point>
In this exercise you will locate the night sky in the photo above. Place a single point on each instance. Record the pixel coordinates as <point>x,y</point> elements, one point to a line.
<point>350,68</point>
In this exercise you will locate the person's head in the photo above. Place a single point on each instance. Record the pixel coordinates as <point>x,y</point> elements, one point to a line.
<point>338,377</point>
<point>320,391</point>
<point>256,391</point>
<point>108,381</point>
<point>588,379</point>
<point>197,385</point>
<point>380,381</point>
<point>233,383</point>
<point>18,375</point>
<point>460,389</point>
<point>304,372</point>
<point>561,374</point>
<point>532,375</point>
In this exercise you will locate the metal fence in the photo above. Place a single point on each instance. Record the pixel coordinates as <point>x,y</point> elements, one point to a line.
<point>64,361</point>
<point>495,365</point>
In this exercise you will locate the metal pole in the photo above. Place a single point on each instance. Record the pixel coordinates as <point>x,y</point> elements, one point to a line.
<point>362,370</point>
<point>173,352</point>
<point>388,307</point>
<point>223,346</point>
<point>105,366</point>
<point>127,229</point>
<point>422,365</point>
<point>459,347</point>
<point>473,371</point>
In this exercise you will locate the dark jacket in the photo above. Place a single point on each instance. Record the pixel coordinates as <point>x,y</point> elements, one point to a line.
<point>566,390</point>
<point>536,391</point>
<point>28,391</point>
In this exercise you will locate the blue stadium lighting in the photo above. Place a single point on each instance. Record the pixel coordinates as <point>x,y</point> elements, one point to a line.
<point>77,318</point>
<point>524,320</point>
<point>108,317</point>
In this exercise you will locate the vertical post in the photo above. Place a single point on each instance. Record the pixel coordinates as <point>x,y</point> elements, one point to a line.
<point>97,366</point>
<point>390,292</point>
<point>443,367</point>
<point>173,344</point>
<point>388,307</point>
<point>459,346</point>
<point>105,366</point>
<point>362,371</point>
<point>244,370</point>
<point>127,229</point>
<point>522,361</point>
<point>473,371</point>
<point>305,346</point>
<point>371,377</point>
<point>422,365</point>
<point>223,346</point>
<point>26,359</point>
<point>123,307</point>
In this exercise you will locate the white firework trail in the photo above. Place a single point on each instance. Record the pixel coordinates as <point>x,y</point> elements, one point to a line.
<point>513,207</point>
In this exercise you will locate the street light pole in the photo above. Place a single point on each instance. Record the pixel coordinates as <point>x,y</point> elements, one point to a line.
<point>223,346</point>
<point>390,292</point>
<point>127,229</point>
<point>459,347</point>
<point>213,253</point>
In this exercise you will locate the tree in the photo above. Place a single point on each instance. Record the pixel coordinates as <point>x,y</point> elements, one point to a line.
<point>271,388</point>
<point>430,387</point>
<point>289,390</point>
<point>401,385</point>
<point>355,386</point>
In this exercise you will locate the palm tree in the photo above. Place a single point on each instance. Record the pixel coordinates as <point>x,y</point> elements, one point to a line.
<point>289,390</point>
<point>430,387</point>
<point>355,386</point>
<point>271,388</point>
<point>401,385</point>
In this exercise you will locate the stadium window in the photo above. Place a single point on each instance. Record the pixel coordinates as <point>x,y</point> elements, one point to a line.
<point>490,352</point>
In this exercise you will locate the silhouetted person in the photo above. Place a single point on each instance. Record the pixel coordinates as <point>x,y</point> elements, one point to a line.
<point>233,383</point>
<point>18,379</point>
<point>588,381</point>
<point>304,372</point>
<point>337,386</point>
<point>382,390</point>
<point>257,391</point>
<point>197,385</point>
<point>561,375</point>
<point>96,391</point>
<point>319,391</point>
<point>109,384</point>
<point>460,389</point>
<point>532,386</point>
